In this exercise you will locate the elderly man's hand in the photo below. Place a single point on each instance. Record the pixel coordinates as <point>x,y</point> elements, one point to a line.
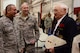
<point>51,50</point>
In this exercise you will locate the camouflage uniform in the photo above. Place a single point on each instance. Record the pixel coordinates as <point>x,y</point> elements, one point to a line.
<point>8,43</point>
<point>29,30</point>
<point>48,23</point>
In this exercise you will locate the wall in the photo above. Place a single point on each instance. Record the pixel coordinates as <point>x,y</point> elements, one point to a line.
<point>4,3</point>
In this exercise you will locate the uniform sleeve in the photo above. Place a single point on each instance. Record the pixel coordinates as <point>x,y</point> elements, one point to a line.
<point>1,38</point>
<point>21,43</point>
<point>20,39</point>
<point>36,33</point>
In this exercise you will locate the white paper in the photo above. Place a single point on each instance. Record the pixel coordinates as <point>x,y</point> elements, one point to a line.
<point>54,41</point>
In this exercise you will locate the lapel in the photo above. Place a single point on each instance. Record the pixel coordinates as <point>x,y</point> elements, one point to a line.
<point>63,22</point>
<point>60,28</point>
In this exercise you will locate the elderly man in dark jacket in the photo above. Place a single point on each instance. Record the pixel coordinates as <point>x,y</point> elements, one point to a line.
<point>65,28</point>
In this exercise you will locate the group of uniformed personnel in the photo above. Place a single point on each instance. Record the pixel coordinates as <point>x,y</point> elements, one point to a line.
<point>19,33</point>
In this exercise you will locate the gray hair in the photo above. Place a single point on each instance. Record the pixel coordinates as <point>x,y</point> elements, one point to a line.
<point>25,3</point>
<point>62,5</point>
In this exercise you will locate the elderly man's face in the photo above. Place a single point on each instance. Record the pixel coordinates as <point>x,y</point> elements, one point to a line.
<point>59,12</point>
<point>25,9</point>
<point>13,11</point>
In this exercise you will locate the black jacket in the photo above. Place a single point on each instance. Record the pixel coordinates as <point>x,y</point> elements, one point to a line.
<point>67,29</point>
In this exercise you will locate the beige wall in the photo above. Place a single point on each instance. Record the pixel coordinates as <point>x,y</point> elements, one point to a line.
<point>4,3</point>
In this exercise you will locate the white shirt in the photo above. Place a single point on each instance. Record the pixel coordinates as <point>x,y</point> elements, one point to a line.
<point>58,24</point>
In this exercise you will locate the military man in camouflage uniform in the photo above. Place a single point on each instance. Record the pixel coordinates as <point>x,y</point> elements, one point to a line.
<point>8,43</point>
<point>48,23</point>
<point>28,27</point>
